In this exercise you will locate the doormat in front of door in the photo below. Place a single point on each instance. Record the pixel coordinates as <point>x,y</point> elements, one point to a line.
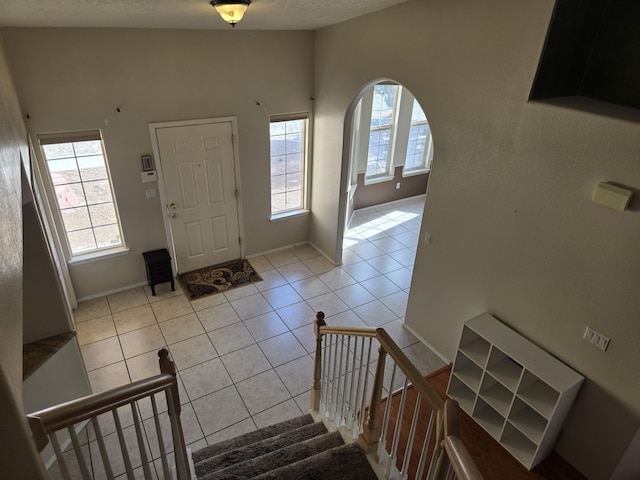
<point>218,278</point>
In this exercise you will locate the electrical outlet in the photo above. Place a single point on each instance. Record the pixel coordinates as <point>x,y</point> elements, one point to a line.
<point>427,238</point>
<point>398,186</point>
<point>596,338</point>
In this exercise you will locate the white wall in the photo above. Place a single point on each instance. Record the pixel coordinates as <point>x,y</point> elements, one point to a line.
<point>17,454</point>
<point>514,230</point>
<point>74,79</point>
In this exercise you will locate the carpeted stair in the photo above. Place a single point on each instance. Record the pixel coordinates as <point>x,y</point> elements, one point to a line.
<point>295,449</point>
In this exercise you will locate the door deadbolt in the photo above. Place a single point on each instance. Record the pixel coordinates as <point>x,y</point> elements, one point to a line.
<point>173,206</point>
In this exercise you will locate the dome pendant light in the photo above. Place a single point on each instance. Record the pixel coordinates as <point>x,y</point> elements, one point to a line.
<point>231,10</point>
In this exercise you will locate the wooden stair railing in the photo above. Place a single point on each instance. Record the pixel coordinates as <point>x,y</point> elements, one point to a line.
<point>70,416</point>
<point>339,397</point>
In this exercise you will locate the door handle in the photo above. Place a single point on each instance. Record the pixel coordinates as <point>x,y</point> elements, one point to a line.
<point>174,215</point>
<point>173,206</point>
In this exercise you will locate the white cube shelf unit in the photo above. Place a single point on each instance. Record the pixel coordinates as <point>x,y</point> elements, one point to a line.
<point>516,391</point>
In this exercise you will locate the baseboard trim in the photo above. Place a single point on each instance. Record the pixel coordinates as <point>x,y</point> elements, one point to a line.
<point>293,245</point>
<point>111,292</point>
<point>427,344</point>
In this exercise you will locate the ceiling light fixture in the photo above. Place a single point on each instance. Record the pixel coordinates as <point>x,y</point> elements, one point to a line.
<point>231,10</point>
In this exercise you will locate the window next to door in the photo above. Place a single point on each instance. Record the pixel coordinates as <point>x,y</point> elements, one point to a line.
<point>80,185</point>
<point>288,147</point>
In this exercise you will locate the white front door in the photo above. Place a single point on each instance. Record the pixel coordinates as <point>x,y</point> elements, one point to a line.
<point>200,185</point>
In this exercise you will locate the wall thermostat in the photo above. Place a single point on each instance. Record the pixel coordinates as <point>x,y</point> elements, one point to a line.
<point>147,164</point>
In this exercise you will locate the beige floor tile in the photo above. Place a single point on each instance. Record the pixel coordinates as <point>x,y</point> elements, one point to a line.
<point>193,351</point>
<point>399,334</point>
<point>375,314</point>
<point>265,326</point>
<point>260,264</point>
<point>401,277</point>
<point>217,317</point>
<point>295,272</point>
<point>208,301</point>
<point>245,363</point>
<point>329,303</point>
<point>423,358</point>
<point>282,349</point>
<point>143,340</point>
<point>281,296</point>
<point>279,413</point>
<point>361,271</point>
<point>380,286</point>
<point>305,251</point>
<point>304,401</point>
<point>181,328</point>
<point>240,292</point>
<point>297,315</point>
<point>307,338</point>
<point>96,329</point>
<point>319,265</point>
<point>231,338</point>
<point>171,308</point>
<point>134,318</point>
<point>251,306</point>
<point>205,378</point>
<point>108,377</point>
<point>337,278</point>
<point>163,291</point>
<point>270,279</point>
<point>102,353</point>
<point>297,375</point>
<point>220,410</point>
<point>310,287</point>
<point>98,307</point>
<point>143,366</point>
<point>354,295</point>
<point>396,302</point>
<point>127,299</point>
<point>262,392</point>
<point>281,258</point>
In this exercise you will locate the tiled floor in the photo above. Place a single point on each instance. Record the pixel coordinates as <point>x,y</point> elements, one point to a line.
<point>244,357</point>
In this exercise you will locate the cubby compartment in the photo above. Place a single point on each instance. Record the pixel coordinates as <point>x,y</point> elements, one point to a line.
<point>489,418</point>
<point>504,368</point>
<point>496,395</point>
<point>538,394</point>
<point>518,445</point>
<point>468,372</point>
<point>474,346</point>
<point>462,394</point>
<point>528,421</point>
<point>515,390</point>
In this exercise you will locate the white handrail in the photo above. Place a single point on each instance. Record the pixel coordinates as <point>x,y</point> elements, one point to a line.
<point>336,404</point>
<point>46,423</point>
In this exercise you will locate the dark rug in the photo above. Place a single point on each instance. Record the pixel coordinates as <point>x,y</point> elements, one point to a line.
<point>218,278</point>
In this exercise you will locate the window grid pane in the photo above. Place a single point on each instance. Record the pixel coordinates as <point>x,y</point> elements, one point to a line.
<point>419,138</point>
<point>382,121</point>
<point>287,141</point>
<point>82,186</point>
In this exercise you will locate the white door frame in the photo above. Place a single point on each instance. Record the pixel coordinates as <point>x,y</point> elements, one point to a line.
<point>153,128</point>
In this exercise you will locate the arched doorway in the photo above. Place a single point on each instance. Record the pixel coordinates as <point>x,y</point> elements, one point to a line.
<point>388,149</point>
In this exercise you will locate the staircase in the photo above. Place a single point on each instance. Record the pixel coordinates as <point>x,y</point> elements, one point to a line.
<point>295,449</point>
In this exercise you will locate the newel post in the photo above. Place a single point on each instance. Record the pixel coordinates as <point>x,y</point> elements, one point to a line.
<point>316,387</point>
<point>182,463</point>
<point>370,435</point>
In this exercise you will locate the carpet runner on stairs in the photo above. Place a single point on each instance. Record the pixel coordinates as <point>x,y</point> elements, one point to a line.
<point>295,449</point>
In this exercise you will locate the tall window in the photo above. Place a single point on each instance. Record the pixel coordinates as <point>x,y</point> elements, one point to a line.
<point>420,146</point>
<point>288,139</point>
<point>381,130</point>
<point>79,175</point>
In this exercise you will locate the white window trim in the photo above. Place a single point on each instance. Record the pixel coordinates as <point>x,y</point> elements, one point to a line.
<point>53,208</point>
<point>287,214</point>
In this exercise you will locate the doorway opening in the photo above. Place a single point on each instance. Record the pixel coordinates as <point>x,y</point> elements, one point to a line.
<point>387,155</point>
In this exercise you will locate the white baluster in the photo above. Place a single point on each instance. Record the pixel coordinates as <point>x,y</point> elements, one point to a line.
<point>163,453</point>
<point>412,435</point>
<point>141,446</point>
<point>64,470</point>
<point>123,446</point>
<point>79,455</point>
<point>425,449</point>
<point>396,433</point>
<point>103,450</point>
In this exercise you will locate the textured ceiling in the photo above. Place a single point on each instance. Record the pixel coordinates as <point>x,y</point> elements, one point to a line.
<point>197,14</point>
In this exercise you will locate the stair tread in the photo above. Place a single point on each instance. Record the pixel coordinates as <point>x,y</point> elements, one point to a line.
<point>275,460</point>
<point>340,463</point>
<point>260,448</point>
<point>252,437</point>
